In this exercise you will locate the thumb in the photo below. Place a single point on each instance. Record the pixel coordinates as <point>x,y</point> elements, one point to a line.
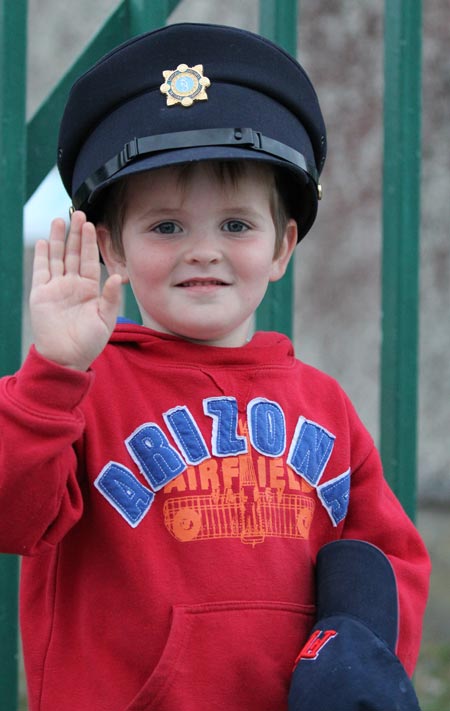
<point>110,300</point>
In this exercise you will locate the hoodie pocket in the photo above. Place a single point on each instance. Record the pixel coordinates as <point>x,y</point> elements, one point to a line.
<point>233,656</point>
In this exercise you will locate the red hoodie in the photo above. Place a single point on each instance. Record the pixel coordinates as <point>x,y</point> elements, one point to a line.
<point>169,505</point>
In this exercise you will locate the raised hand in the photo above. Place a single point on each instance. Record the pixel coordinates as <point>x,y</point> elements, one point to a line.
<point>71,317</point>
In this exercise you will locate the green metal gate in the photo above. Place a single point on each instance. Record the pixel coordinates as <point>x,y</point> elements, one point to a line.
<point>27,153</point>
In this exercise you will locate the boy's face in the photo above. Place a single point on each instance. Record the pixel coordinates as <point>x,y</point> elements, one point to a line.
<point>199,254</point>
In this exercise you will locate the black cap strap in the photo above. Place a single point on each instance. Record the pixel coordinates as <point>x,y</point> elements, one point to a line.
<point>140,147</point>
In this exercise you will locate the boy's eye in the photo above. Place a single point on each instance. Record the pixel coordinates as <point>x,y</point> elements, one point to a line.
<point>235,226</point>
<point>167,228</point>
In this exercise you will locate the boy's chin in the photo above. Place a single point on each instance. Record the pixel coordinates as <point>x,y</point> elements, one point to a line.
<point>208,332</point>
<point>232,338</point>
<point>227,340</point>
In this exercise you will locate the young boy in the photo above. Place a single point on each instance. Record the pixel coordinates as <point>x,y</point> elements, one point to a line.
<point>171,486</point>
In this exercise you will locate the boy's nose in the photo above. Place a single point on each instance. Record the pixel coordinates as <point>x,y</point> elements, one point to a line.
<point>203,249</point>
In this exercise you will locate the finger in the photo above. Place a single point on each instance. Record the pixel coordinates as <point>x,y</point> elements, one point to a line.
<point>56,247</point>
<point>89,259</point>
<point>41,268</point>
<point>73,243</point>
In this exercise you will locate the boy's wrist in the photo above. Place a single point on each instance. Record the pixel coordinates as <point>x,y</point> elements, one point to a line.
<point>82,366</point>
<point>42,384</point>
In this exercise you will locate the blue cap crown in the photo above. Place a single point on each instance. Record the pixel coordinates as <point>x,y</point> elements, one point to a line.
<point>193,92</point>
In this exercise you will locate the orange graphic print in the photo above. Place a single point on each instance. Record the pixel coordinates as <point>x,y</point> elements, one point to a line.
<point>240,498</point>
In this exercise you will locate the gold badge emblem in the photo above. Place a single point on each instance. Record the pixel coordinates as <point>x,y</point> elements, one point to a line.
<point>184,85</point>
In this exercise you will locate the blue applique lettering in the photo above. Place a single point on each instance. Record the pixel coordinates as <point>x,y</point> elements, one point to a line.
<point>225,441</point>
<point>335,496</point>
<point>267,427</point>
<point>123,491</point>
<point>158,461</point>
<point>187,435</point>
<point>310,450</point>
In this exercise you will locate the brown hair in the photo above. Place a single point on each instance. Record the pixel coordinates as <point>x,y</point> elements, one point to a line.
<point>226,172</point>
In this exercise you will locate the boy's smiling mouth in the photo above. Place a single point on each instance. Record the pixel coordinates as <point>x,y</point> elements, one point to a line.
<point>202,282</point>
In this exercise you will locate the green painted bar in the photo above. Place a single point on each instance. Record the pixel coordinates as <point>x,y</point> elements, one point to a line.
<point>12,182</point>
<point>121,24</point>
<point>400,261</point>
<point>42,134</point>
<point>9,576</point>
<point>278,22</point>
<point>145,16</point>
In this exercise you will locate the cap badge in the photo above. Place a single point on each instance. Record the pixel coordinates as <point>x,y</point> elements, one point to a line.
<point>184,85</point>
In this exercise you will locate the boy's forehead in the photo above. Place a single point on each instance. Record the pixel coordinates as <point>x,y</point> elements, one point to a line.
<point>225,172</point>
<point>174,182</point>
<point>191,92</point>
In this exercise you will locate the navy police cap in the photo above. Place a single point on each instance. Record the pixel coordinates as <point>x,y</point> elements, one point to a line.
<point>193,92</point>
<point>349,662</point>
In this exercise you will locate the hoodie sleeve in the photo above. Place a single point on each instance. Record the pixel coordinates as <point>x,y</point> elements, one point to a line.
<point>375,515</point>
<point>40,420</point>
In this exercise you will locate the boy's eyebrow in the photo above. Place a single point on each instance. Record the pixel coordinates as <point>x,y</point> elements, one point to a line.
<point>243,210</point>
<point>150,211</point>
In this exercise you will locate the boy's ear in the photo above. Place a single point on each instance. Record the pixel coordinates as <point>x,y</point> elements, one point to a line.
<point>285,251</point>
<point>115,264</point>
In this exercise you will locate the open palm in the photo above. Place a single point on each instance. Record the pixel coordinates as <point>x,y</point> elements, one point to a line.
<point>71,316</point>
